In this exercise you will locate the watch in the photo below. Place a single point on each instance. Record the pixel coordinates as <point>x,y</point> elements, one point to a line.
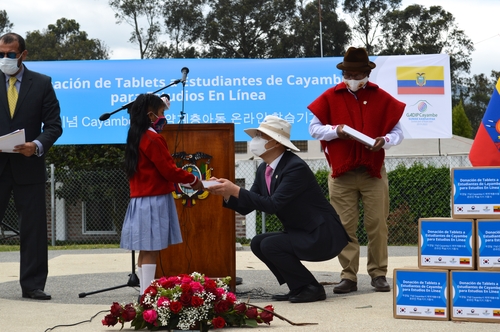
<point>37,150</point>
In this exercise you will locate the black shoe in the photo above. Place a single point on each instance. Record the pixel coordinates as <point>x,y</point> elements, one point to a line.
<point>310,293</point>
<point>281,297</point>
<point>381,284</point>
<point>345,286</point>
<point>37,294</point>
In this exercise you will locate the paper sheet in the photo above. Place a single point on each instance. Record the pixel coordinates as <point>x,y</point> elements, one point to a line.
<point>7,142</point>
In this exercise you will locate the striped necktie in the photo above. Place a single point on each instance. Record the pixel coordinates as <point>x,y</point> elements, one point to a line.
<point>12,95</point>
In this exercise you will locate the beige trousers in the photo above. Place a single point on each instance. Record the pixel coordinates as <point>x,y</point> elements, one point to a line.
<point>346,192</point>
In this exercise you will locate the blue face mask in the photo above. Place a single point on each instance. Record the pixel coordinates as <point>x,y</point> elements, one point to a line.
<point>159,123</point>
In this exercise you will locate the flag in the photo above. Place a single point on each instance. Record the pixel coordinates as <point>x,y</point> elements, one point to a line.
<point>485,150</point>
<point>420,80</point>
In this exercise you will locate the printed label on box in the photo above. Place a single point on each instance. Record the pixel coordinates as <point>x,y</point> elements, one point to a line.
<point>488,243</point>
<point>476,294</point>
<point>476,192</point>
<point>421,293</point>
<point>447,244</point>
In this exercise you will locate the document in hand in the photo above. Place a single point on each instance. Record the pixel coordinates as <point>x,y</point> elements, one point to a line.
<point>358,136</point>
<point>7,142</point>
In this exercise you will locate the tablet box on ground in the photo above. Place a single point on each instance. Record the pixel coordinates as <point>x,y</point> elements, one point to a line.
<point>488,244</point>
<point>446,243</point>
<point>421,294</point>
<point>475,296</point>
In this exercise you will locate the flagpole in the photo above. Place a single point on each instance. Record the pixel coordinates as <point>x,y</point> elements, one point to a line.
<point>320,29</point>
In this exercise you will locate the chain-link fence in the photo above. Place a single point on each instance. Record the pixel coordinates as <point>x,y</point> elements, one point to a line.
<point>88,206</point>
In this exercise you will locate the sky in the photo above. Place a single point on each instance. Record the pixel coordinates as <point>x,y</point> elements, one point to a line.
<point>479,21</point>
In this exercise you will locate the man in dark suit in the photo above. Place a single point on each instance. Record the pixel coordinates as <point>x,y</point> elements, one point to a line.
<point>312,228</point>
<point>35,109</point>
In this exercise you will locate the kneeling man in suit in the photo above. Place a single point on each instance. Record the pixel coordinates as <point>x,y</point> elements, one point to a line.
<point>285,186</point>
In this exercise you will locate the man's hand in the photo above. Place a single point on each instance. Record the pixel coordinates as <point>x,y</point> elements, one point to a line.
<point>198,185</point>
<point>226,188</point>
<point>379,143</point>
<point>28,149</point>
<point>341,134</point>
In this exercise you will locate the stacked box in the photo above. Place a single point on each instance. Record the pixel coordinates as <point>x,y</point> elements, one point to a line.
<point>446,243</point>
<point>421,294</point>
<point>488,244</point>
<point>475,296</point>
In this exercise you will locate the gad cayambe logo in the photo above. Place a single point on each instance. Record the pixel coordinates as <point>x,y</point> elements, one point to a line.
<point>418,112</point>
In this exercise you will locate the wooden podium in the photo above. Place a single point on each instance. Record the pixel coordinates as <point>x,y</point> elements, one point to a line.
<point>208,229</point>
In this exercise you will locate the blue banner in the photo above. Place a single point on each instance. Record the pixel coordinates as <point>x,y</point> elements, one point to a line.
<point>235,91</point>
<point>239,91</point>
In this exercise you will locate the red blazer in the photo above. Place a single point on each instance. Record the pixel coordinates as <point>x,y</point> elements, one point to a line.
<point>156,169</point>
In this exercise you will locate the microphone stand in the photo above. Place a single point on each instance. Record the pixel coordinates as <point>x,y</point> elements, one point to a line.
<point>106,116</point>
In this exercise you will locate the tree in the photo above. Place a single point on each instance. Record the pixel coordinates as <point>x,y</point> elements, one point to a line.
<point>5,24</point>
<point>132,12</point>
<point>184,24</point>
<point>303,40</point>
<point>417,30</point>
<point>243,29</point>
<point>64,41</point>
<point>367,16</point>
<point>460,123</point>
<point>476,94</point>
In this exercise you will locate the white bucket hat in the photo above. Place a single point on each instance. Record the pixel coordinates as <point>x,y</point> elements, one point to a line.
<point>276,128</point>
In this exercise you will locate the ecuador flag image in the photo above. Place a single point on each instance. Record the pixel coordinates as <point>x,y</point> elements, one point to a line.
<point>420,80</point>
<point>485,150</point>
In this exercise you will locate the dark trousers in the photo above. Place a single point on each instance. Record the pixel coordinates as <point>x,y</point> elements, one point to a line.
<point>276,251</point>
<point>29,201</point>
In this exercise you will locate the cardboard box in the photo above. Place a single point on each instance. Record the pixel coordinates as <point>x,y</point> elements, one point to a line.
<point>475,192</point>
<point>421,294</point>
<point>446,243</point>
<point>475,296</point>
<point>488,244</point>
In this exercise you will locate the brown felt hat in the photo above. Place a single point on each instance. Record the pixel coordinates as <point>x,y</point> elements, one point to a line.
<point>356,59</point>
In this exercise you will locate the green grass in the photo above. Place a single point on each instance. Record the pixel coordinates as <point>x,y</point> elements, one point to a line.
<point>5,247</point>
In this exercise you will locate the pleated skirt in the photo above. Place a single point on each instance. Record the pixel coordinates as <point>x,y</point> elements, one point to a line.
<point>151,223</point>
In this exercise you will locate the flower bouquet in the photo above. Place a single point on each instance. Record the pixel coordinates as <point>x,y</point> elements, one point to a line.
<point>188,302</point>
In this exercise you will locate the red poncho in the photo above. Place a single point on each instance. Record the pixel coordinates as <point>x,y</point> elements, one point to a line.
<point>374,113</point>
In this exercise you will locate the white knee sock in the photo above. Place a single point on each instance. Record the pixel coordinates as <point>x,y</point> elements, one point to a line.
<point>148,274</point>
<point>139,275</point>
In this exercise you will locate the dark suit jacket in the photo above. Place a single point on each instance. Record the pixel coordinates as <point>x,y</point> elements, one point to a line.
<point>38,112</point>
<point>297,200</point>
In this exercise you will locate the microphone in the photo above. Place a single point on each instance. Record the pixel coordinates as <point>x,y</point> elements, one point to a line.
<point>184,71</point>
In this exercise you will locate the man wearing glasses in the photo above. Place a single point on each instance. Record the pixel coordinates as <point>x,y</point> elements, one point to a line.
<point>27,101</point>
<point>358,170</point>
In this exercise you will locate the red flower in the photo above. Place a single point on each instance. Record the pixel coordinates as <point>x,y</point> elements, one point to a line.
<point>267,316</point>
<point>150,316</point>
<point>151,290</point>
<point>128,313</point>
<point>185,299</point>
<point>241,308</point>
<point>116,309</point>
<point>218,322</point>
<point>222,306</point>
<point>110,320</point>
<point>196,301</point>
<point>252,313</point>
<point>175,307</point>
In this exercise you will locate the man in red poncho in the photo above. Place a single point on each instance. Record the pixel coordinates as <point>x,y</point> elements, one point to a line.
<point>358,170</point>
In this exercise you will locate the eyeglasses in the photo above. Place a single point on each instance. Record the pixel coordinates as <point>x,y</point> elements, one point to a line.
<point>10,55</point>
<point>354,75</point>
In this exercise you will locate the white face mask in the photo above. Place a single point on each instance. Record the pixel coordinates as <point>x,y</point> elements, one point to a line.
<point>258,146</point>
<point>9,66</point>
<point>355,85</point>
